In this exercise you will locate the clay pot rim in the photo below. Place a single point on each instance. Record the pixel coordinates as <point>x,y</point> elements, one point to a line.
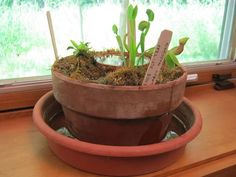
<point>121,88</point>
<point>115,151</point>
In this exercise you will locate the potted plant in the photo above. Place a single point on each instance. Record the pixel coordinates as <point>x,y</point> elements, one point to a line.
<point>112,105</point>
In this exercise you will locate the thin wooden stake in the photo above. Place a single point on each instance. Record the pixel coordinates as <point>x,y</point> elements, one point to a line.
<point>52,35</point>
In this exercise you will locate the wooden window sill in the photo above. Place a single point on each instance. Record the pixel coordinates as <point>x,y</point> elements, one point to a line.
<point>24,151</point>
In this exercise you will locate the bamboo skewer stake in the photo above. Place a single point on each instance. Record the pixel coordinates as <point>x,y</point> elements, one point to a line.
<point>52,35</point>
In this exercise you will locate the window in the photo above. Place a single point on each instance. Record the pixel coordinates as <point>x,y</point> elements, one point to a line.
<point>25,46</point>
<point>26,50</point>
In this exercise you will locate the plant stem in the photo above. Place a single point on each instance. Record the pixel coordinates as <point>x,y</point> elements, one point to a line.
<point>142,41</point>
<point>119,41</point>
<point>150,50</point>
<point>132,42</point>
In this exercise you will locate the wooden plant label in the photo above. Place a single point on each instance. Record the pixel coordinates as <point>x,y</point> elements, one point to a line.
<point>157,58</point>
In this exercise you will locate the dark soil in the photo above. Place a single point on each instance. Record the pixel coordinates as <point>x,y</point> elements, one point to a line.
<point>87,69</point>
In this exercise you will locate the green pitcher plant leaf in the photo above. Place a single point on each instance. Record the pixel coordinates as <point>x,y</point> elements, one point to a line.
<point>125,43</point>
<point>143,25</point>
<point>130,12</point>
<point>174,58</point>
<point>150,15</point>
<point>179,49</point>
<point>135,12</point>
<point>169,62</point>
<point>115,29</point>
<point>119,41</point>
<point>183,40</point>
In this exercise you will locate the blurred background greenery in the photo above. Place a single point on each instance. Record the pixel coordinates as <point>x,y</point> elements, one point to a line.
<point>25,46</point>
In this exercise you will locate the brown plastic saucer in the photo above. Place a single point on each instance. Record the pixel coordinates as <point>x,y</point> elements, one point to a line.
<point>116,160</point>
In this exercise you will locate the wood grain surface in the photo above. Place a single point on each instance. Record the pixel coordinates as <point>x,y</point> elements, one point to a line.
<point>24,151</point>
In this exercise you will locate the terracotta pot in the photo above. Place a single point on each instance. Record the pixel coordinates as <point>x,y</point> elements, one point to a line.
<point>117,115</point>
<point>132,114</point>
<point>118,102</point>
<point>127,132</point>
<point>116,160</point>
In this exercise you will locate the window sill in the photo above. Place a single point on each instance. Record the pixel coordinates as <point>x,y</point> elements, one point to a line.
<point>211,151</point>
<point>22,96</point>
<point>15,94</point>
<point>206,70</point>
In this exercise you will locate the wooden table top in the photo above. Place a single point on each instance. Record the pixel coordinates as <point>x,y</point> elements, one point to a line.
<point>24,151</point>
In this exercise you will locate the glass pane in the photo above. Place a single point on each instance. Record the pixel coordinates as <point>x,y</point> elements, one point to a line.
<point>200,20</point>
<point>25,45</point>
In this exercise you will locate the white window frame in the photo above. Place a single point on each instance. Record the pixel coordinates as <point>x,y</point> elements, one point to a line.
<point>226,42</point>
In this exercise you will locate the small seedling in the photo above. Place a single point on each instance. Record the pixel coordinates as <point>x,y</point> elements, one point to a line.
<point>81,49</point>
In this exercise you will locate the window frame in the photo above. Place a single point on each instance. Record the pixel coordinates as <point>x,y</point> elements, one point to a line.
<point>226,41</point>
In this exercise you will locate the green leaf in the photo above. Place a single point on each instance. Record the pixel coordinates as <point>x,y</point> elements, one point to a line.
<point>142,41</point>
<point>115,29</point>
<point>150,50</point>
<point>169,61</point>
<point>135,12</point>
<point>70,47</point>
<point>174,58</point>
<point>143,25</point>
<point>119,41</point>
<point>75,44</point>
<point>150,15</point>
<point>130,12</point>
<point>183,40</point>
<point>125,43</point>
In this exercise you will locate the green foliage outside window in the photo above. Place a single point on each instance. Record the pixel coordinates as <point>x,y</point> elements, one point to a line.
<point>25,46</point>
